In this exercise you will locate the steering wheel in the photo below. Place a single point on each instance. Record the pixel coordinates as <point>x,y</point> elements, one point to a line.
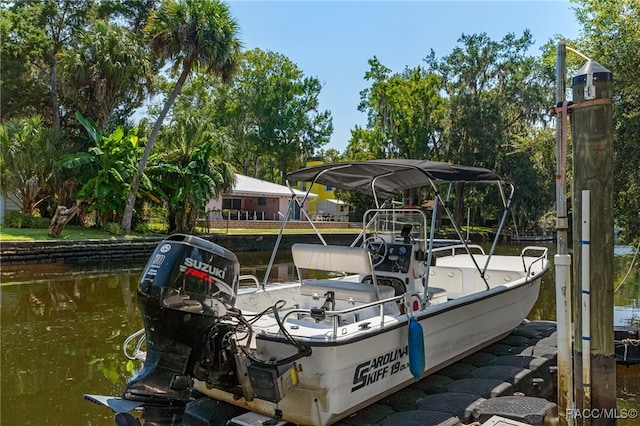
<point>377,246</point>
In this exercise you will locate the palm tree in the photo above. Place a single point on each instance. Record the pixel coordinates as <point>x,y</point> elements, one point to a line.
<point>194,34</point>
<point>108,73</point>
<point>193,169</point>
<point>27,164</point>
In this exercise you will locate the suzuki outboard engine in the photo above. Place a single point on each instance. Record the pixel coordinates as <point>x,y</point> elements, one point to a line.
<point>186,288</point>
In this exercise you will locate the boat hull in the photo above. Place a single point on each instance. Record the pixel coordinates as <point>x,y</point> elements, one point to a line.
<point>344,375</point>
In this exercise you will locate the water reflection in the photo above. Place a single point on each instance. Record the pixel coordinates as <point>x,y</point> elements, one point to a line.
<point>63,328</point>
<point>626,297</point>
<point>61,335</point>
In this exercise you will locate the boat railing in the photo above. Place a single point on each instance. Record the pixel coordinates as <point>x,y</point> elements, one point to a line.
<point>335,316</point>
<point>453,249</point>
<point>250,278</point>
<point>541,258</point>
<point>138,353</point>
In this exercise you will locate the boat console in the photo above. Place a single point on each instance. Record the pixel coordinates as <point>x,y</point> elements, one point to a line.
<point>397,240</point>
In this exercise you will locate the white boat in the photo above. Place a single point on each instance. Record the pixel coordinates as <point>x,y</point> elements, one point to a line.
<point>361,322</point>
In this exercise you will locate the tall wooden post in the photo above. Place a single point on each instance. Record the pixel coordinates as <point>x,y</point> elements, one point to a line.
<point>562,259</point>
<point>592,130</point>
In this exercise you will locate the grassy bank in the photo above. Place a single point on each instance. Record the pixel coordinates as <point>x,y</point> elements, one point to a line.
<point>71,233</point>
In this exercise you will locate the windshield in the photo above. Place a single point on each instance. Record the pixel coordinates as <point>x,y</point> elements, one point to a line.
<point>407,226</point>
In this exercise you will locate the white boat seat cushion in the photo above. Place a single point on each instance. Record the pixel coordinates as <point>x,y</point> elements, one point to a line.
<point>348,294</point>
<point>331,258</point>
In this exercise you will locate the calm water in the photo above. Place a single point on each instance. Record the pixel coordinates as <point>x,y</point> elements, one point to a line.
<point>62,327</point>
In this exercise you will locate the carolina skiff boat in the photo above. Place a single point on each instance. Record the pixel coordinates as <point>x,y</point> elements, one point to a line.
<point>361,322</point>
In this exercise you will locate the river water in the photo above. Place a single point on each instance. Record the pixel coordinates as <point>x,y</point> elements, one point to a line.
<point>62,329</point>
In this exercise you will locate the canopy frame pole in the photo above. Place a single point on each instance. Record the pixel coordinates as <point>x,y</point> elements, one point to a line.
<point>506,203</point>
<point>425,291</point>
<point>277,244</point>
<point>506,206</point>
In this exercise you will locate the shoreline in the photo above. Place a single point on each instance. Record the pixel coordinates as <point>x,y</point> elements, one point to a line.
<point>84,251</point>
<point>15,252</point>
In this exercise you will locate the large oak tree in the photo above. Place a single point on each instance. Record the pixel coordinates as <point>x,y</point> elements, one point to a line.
<point>273,113</point>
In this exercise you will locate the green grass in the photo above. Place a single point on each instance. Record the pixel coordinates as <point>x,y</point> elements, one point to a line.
<point>71,233</point>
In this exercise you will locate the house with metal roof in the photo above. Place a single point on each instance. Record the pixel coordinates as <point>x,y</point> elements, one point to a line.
<point>256,199</point>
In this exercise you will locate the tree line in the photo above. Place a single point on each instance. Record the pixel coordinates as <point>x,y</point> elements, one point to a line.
<point>77,73</point>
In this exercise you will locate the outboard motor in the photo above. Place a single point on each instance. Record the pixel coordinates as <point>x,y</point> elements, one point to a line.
<point>184,291</point>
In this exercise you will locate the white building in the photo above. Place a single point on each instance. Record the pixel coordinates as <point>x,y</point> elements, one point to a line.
<point>255,199</point>
<point>332,210</point>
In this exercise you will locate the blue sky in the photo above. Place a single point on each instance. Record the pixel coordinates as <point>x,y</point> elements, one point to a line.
<point>333,40</point>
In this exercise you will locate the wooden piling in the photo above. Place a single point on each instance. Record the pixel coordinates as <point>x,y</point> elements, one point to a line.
<point>562,260</point>
<point>592,142</point>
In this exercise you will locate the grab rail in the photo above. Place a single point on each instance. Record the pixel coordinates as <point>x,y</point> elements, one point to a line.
<point>137,352</point>
<point>336,314</point>
<point>459,246</point>
<point>542,257</point>
<point>250,278</point>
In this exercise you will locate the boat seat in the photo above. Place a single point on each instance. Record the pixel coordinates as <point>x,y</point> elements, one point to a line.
<point>448,279</point>
<point>436,295</point>
<point>458,282</point>
<point>332,258</point>
<point>348,295</point>
<point>346,290</point>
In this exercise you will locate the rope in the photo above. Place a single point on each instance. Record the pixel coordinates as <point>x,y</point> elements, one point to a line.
<point>626,343</point>
<point>569,106</point>
<point>628,271</point>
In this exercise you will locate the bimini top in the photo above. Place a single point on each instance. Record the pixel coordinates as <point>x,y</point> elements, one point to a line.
<point>388,177</point>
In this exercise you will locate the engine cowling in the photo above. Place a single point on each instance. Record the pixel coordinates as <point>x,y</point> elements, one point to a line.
<point>184,292</point>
